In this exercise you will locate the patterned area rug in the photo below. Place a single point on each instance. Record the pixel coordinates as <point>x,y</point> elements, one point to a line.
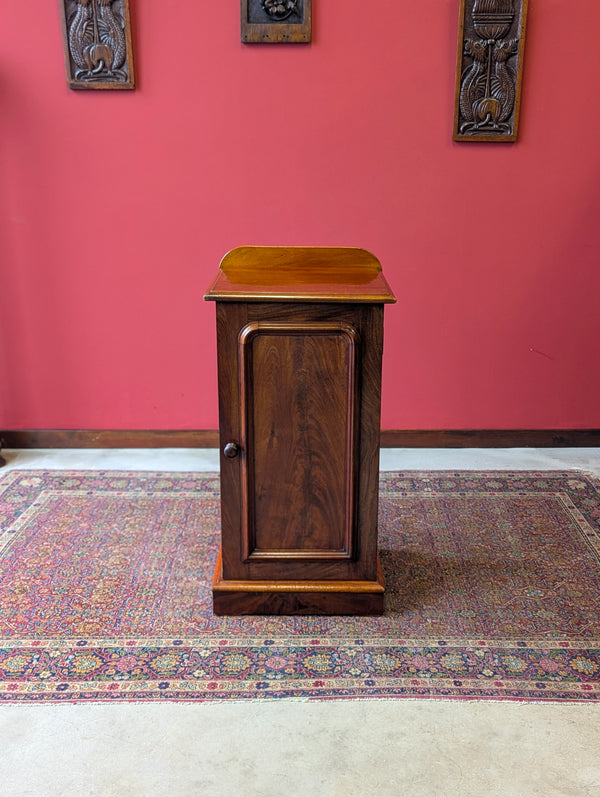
<point>493,591</point>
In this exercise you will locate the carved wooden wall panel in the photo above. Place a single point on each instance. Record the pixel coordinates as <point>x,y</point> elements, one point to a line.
<point>276,21</point>
<point>97,44</point>
<point>491,41</point>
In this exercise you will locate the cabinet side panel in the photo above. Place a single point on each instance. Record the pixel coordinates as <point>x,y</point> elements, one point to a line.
<point>370,421</point>
<point>299,398</point>
<point>231,317</point>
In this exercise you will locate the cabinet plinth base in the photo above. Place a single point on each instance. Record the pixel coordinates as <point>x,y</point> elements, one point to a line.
<point>297,597</point>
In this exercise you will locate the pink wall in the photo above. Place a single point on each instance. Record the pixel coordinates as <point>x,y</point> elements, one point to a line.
<point>116,207</point>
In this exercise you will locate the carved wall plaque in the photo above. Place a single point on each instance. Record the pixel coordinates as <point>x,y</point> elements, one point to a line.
<point>276,21</point>
<point>97,44</point>
<point>489,71</point>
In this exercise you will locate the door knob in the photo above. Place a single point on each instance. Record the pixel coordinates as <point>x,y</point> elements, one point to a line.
<point>231,450</point>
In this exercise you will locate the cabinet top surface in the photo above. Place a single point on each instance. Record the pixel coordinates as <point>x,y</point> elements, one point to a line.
<point>299,273</point>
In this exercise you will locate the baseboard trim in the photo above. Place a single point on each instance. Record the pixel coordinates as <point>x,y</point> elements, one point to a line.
<point>490,438</point>
<point>110,438</point>
<point>390,438</point>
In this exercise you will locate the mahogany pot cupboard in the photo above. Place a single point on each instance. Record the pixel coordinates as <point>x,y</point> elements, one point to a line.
<point>299,347</point>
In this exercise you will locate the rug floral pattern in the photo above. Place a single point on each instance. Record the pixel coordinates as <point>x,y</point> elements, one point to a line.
<point>493,591</point>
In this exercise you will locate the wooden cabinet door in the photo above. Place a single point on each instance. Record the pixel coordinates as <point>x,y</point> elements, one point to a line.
<point>298,392</point>
<point>299,388</point>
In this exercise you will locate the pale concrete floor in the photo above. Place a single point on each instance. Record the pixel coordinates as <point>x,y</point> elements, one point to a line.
<point>411,748</point>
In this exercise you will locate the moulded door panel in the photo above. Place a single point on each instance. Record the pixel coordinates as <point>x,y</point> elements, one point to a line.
<point>299,405</point>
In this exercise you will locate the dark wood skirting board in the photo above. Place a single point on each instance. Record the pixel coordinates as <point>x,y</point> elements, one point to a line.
<point>490,438</point>
<point>110,438</point>
<point>390,438</point>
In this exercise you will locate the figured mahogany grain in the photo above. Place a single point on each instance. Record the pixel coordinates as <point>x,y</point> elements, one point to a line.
<point>299,394</point>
